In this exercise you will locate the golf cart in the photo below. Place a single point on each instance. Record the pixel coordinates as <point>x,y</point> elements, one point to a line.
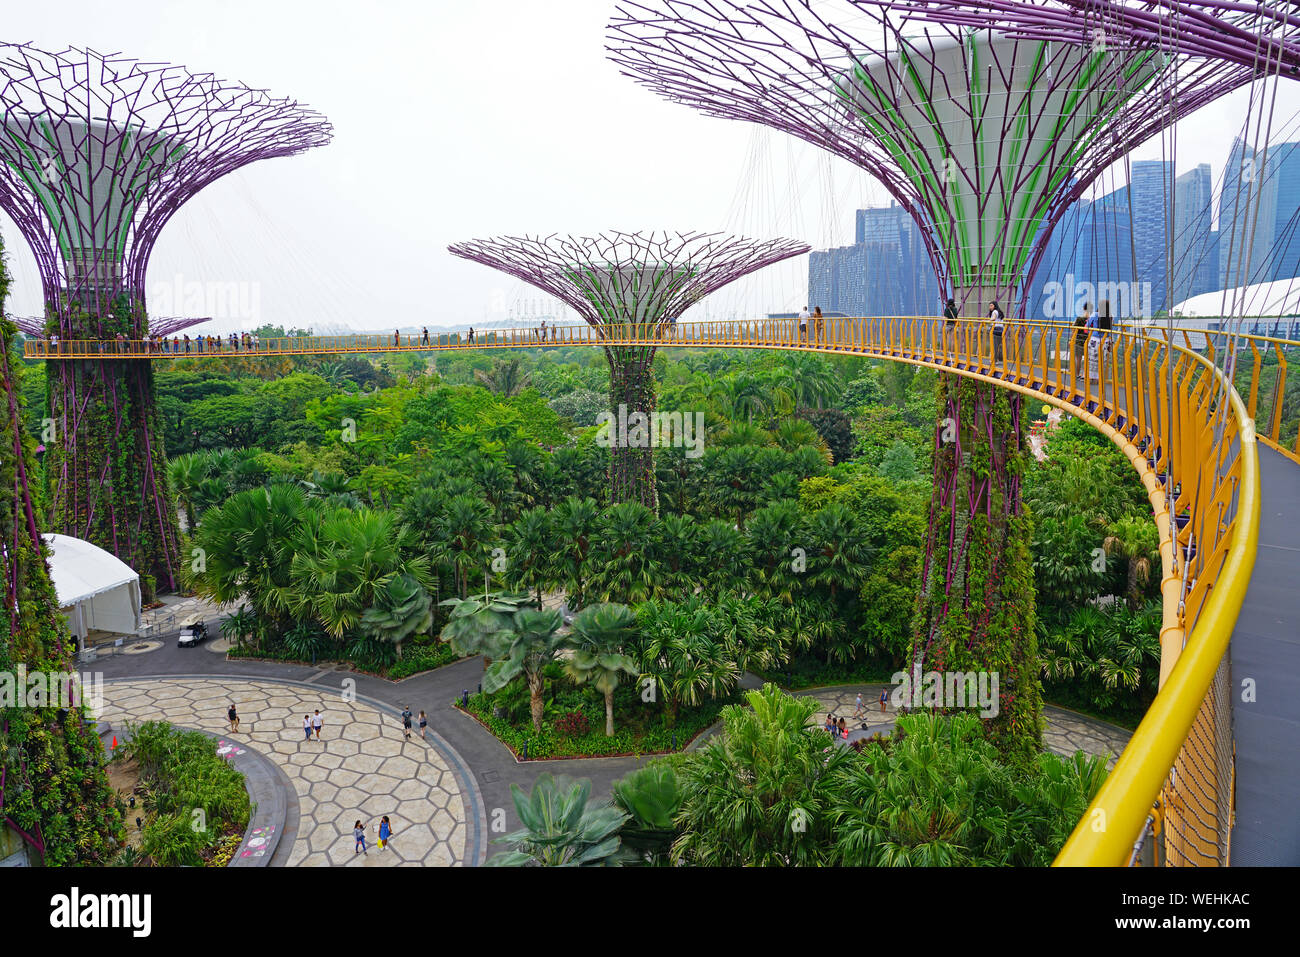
<point>192,632</point>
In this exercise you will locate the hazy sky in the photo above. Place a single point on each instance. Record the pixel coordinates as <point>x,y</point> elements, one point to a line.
<point>455,120</point>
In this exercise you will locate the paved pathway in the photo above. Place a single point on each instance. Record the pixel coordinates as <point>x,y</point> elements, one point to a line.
<point>486,768</point>
<point>1064,731</point>
<point>361,768</point>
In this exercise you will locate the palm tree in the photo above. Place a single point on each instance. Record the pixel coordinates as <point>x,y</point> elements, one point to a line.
<point>404,610</point>
<point>1135,540</point>
<point>624,559</point>
<point>530,551</point>
<point>811,380</point>
<point>574,524</point>
<point>185,473</point>
<point>344,564</point>
<point>475,621</point>
<point>794,434</point>
<point>506,376</point>
<point>679,646</point>
<point>238,626</point>
<point>760,793</point>
<point>778,562</point>
<point>651,796</point>
<point>247,545</point>
<point>463,533</point>
<point>560,828</point>
<point>598,635</point>
<point>527,646</point>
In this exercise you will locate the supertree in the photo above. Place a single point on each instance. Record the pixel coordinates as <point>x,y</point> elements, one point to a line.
<point>97,153</point>
<point>986,140</point>
<point>630,285</point>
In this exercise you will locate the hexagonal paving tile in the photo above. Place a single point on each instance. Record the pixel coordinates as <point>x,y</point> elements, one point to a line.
<point>362,767</point>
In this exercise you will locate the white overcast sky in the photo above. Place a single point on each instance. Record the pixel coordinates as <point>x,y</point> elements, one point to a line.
<point>456,120</point>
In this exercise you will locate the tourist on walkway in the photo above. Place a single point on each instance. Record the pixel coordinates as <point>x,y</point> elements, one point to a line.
<point>844,729</point>
<point>819,324</point>
<point>950,324</point>
<point>830,725</point>
<point>397,337</point>
<point>803,323</point>
<point>1081,336</point>
<point>996,314</point>
<point>884,697</point>
<point>359,832</point>
<point>857,709</point>
<point>306,726</point>
<point>385,832</point>
<point>424,724</point>
<point>424,337</point>
<point>406,721</point>
<point>233,717</point>
<point>316,723</point>
<point>471,333</point>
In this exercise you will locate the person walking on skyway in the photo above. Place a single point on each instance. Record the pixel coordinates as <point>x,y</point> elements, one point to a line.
<point>950,325</point>
<point>998,317</point>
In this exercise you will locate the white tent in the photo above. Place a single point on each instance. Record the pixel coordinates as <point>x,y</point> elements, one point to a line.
<point>97,590</point>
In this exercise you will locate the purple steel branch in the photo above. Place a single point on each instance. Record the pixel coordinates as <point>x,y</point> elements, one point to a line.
<point>779,63</point>
<point>144,138</point>
<point>1264,39</point>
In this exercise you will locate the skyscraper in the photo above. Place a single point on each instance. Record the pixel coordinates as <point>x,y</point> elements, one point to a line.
<point>886,271</point>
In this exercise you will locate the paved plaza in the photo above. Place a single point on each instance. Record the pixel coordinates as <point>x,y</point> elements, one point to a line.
<point>362,768</point>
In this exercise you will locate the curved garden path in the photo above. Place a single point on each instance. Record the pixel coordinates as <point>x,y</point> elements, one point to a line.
<point>451,796</point>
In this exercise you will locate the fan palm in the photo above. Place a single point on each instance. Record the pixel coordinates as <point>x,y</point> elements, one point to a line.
<point>526,646</point>
<point>598,636</point>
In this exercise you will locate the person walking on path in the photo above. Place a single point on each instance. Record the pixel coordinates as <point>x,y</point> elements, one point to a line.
<point>884,697</point>
<point>424,337</point>
<point>233,717</point>
<point>803,323</point>
<point>819,325</point>
<point>406,721</point>
<point>359,832</point>
<point>316,723</point>
<point>424,724</point>
<point>385,832</point>
<point>306,726</point>
<point>471,333</point>
<point>857,710</point>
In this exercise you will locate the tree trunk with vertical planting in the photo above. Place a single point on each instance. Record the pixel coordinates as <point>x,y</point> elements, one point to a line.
<point>631,390</point>
<point>976,608</point>
<point>107,467</point>
<point>54,791</point>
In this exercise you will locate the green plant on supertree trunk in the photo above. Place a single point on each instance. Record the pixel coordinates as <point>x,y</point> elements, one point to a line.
<point>107,467</point>
<point>976,609</point>
<point>54,791</point>
<point>632,391</point>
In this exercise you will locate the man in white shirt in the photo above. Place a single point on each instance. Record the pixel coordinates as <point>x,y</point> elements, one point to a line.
<point>803,322</point>
<point>316,722</point>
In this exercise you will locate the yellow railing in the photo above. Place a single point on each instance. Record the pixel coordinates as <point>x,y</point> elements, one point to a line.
<point>1185,430</point>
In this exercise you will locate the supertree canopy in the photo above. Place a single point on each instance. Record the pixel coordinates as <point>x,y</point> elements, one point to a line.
<point>986,140</point>
<point>1264,38</point>
<point>96,155</point>
<point>630,285</point>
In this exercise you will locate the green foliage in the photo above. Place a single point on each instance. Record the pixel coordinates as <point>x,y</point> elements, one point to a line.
<point>560,827</point>
<point>938,794</point>
<point>761,792</point>
<point>182,774</point>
